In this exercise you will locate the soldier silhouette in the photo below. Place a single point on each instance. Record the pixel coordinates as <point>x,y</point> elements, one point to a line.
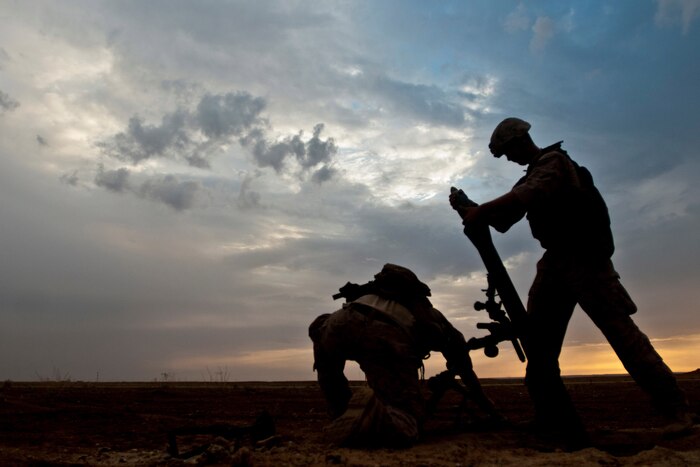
<point>387,326</point>
<point>569,217</point>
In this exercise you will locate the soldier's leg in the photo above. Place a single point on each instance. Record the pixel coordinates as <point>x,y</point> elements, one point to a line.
<point>476,393</point>
<point>393,408</point>
<point>395,414</point>
<point>329,363</point>
<point>332,380</point>
<point>608,304</point>
<point>458,360</point>
<point>550,307</point>
<point>381,415</point>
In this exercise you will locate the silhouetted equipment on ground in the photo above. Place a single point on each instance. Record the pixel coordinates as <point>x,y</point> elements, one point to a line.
<point>439,385</point>
<point>263,428</point>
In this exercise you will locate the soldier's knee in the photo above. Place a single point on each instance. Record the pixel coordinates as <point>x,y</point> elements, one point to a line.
<point>388,426</point>
<point>336,391</point>
<point>542,370</point>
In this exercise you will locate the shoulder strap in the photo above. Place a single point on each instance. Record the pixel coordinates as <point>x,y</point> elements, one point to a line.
<point>554,147</point>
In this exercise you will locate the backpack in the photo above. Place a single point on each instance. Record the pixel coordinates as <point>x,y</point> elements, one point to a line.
<point>577,221</point>
<point>393,282</point>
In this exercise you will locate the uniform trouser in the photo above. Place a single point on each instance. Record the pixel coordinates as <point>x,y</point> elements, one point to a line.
<point>560,284</point>
<point>385,354</point>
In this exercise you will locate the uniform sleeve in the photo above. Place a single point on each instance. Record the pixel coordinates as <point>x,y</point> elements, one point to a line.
<point>447,340</point>
<point>546,177</point>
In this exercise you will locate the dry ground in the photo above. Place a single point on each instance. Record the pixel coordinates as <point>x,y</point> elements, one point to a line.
<point>74,423</point>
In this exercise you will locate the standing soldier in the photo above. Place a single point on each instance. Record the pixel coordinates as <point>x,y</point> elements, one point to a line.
<point>570,219</point>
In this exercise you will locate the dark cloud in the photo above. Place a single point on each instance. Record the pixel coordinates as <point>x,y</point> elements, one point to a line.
<point>192,136</point>
<point>177,194</point>
<point>309,154</point>
<point>223,116</point>
<point>113,180</point>
<point>7,103</point>
<point>273,155</point>
<point>317,151</point>
<point>188,135</point>
<point>323,174</point>
<point>167,189</point>
<point>196,160</point>
<point>142,141</point>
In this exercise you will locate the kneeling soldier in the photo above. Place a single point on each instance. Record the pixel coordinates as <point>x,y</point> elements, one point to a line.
<point>387,326</point>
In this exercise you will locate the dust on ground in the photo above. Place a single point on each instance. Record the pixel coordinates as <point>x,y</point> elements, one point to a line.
<point>76,423</point>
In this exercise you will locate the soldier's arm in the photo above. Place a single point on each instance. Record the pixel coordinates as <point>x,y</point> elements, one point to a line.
<point>450,342</point>
<point>460,363</point>
<point>501,213</point>
<point>544,179</point>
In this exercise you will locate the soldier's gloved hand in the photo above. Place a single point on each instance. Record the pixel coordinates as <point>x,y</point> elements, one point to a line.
<point>454,201</point>
<point>458,206</point>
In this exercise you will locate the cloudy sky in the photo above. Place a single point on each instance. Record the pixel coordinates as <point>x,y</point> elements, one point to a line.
<point>185,184</point>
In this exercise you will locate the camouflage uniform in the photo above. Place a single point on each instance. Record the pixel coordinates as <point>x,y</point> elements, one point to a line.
<point>574,228</point>
<point>388,341</point>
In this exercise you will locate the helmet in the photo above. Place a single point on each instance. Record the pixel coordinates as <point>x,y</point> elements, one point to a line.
<point>397,280</point>
<point>505,131</point>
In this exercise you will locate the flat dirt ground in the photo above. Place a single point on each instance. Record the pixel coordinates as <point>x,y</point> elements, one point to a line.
<point>76,423</point>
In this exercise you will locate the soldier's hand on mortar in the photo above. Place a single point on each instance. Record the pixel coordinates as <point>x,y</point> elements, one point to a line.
<point>457,206</point>
<point>454,201</point>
